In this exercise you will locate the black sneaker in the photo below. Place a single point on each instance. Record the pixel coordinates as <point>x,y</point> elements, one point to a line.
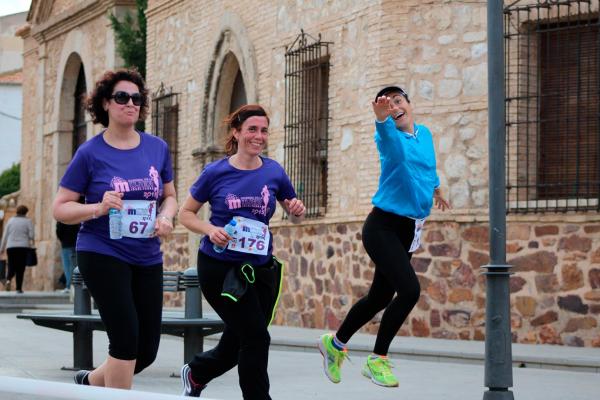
<point>81,377</point>
<point>190,389</point>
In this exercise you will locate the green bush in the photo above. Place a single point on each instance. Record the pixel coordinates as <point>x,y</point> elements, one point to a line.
<point>10,180</point>
<point>131,37</point>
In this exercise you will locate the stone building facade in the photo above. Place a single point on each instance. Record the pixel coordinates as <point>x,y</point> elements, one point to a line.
<point>66,42</point>
<point>213,54</point>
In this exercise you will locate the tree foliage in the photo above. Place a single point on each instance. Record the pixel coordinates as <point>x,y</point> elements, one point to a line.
<point>10,180</point>
<point>131,37</point>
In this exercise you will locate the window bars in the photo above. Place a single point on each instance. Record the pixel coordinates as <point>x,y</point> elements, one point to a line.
<point>552,105</point>
<point>165,110</point>
<point>306,120</point>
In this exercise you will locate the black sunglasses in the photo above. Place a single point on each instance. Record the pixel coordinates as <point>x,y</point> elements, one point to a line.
<point>123,98</point>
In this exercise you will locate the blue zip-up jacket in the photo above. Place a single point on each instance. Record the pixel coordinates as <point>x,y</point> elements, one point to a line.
<point>408,170</point>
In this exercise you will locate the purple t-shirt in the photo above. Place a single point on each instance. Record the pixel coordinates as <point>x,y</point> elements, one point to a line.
<point>250,194</point>
<point>139,173</point>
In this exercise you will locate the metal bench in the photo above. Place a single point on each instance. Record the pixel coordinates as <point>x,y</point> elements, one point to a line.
<point>190,324</point>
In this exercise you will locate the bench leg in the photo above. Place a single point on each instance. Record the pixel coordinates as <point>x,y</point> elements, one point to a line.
<point>83,347</point>
<point>193,342</point>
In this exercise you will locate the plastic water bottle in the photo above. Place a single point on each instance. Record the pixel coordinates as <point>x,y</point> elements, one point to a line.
<point>114,223</point>
<point>230,229</point>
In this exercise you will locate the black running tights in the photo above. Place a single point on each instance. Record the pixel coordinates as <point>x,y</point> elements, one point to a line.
<point>386,238</point>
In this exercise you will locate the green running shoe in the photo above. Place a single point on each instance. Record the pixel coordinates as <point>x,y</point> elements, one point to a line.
<point>379,370</point>
<point>332,358</point>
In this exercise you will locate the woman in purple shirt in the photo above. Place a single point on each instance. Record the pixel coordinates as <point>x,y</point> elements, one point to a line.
<point>130,171</point>
<point>244,186</point>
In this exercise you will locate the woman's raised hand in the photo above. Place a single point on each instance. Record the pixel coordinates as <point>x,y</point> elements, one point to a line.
<point>382,108</point>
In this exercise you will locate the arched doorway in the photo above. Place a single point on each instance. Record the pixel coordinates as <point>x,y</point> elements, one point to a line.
<point>79,121</point>
<point>238,93</point>
<point>231,94</point>
<point>71,116</point>
<point>230,82</point>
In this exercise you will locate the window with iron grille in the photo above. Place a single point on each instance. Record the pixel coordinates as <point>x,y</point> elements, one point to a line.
<point>306,120</point>
<point>165,109</point>
<point>552,105</point>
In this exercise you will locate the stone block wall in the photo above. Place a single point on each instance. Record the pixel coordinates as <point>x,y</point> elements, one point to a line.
<point>555,289</point>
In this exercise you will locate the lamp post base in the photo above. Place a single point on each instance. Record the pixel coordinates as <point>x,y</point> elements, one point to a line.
<point>498,395</point>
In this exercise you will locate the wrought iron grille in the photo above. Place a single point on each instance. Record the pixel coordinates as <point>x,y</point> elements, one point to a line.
<point>306,120</point>
<point>165,111</point>
<point>552,105</point>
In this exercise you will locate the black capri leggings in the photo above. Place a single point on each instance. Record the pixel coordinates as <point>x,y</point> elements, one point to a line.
<point>245,340</point>
<point>387,238</point>
<point>129,299</point>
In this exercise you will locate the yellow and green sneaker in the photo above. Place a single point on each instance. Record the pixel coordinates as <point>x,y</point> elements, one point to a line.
<point>332,358</point>
<point>379,370</point>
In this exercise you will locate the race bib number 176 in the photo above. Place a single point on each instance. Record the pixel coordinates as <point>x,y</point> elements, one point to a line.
<point>250,236</point>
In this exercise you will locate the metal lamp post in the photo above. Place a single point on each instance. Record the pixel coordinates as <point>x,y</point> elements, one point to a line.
<point>498,354</point>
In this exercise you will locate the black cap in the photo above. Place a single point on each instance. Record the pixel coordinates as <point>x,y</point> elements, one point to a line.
<point>390,89</point>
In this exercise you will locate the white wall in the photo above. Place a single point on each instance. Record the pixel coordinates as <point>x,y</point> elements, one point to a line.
<point>11,46</point>
<point>10,128</point>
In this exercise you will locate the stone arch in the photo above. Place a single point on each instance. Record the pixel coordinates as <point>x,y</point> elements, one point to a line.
<point>230,94</point>
<point>75,54</point>
<point>65,111</point>
<point>66,107</point>
<point>233,61</point>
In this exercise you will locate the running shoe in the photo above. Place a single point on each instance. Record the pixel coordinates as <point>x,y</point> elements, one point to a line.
<point>82,377</point>
<point>379,370</point>
<point>332,358</point>
<point>190,389</point>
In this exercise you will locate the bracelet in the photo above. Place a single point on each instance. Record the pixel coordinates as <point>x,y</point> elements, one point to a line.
<point>94,211</point>
<point>170,220</point>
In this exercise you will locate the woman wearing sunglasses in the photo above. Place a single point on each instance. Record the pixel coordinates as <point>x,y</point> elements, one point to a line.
<point>129,174</point>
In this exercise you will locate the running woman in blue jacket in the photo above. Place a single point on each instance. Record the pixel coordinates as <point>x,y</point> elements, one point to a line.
<point>408,185</point>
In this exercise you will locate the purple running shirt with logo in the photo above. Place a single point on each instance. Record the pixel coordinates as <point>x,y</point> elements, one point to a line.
<point>138,173</point>
<point>250,194</point>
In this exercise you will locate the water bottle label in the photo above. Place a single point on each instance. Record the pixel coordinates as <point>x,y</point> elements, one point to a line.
<point>138,218</point>
<point>250,236</point>
<point>416,243</point>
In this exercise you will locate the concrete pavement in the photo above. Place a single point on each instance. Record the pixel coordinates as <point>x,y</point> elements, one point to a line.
<point>30,351</point>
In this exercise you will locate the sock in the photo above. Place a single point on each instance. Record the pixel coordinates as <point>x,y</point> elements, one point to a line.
<point>338,344</point>
<point>192,380</point>
<point>374,356</point>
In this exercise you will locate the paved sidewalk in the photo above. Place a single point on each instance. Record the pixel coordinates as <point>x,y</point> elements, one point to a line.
<point>411,348</point>
<point>30,351</point>
<point>456,351</point>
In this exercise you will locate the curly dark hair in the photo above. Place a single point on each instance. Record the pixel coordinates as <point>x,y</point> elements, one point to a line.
<point>104,89</point>
<point>235,121</point>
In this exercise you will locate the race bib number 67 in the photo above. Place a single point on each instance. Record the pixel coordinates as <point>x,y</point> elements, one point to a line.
<point>138,218</point>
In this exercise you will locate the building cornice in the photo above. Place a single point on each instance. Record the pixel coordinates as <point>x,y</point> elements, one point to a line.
<point>74,17</point>
<point>161,7</point>
<point>23,30</point>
